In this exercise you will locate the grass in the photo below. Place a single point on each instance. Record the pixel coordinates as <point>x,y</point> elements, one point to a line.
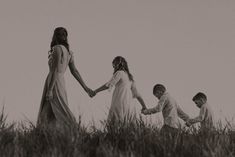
<point>127,139</point>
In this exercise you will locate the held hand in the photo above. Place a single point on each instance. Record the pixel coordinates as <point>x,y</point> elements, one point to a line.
<point>90,92</point>
<point>145,111</point>
<point>188,123</point>
<point>143,108</point>
<point>49,95</point>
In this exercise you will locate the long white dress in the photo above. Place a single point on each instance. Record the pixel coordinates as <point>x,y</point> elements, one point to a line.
<point>56,111</point>
<point>125,90</point>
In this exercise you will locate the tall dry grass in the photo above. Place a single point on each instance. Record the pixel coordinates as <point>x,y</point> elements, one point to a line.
<point>129,138</point>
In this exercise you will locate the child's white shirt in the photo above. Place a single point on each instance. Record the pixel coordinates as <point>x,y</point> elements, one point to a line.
<point>170,111</point>
<point>206,117</point>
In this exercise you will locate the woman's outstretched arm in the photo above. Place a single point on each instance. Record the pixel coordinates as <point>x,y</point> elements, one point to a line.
<point>78,77</point>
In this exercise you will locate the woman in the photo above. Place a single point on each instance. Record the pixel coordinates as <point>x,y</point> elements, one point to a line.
<point>54,109</point>
<point>125,90</point>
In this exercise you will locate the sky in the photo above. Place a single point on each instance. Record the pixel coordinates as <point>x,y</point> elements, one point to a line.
<point>186,45</point>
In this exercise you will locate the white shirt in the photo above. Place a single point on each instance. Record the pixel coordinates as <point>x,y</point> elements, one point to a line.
<point>170,111</point>
<point>206,117</point>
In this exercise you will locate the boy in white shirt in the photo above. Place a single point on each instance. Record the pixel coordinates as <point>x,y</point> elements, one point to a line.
<point>170,110</point>
<point>206,115</point>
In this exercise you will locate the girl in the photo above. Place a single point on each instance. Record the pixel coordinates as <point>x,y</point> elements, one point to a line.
<point>125,90</point>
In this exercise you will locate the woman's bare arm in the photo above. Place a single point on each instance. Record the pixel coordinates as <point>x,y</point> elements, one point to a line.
<point>77,75</point>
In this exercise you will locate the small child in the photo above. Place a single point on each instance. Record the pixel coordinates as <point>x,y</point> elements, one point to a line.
<point>170,110</point>
<point>206,115</point>
<point>125,91</point>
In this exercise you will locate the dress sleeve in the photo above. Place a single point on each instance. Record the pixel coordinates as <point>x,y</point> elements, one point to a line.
<point>134,90</point>
<point>114,80</point>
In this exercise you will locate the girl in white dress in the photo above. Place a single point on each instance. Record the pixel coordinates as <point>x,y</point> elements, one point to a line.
<point>125,90</point>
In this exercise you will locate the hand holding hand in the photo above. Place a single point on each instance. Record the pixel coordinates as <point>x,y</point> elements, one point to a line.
<point>188,123</point>
<point>145,111</point>
<point>143,108</point>
<point>49,95</point>
<point>90,92</point>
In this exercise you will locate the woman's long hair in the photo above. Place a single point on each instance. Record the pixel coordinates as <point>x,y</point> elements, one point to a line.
<point>121,64</point>
<point>60,37</point>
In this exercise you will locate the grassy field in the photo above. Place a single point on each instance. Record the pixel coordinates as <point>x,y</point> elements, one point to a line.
<point>120,140</point>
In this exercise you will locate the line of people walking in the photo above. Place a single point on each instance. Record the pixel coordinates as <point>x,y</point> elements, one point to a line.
<point>54,110</point>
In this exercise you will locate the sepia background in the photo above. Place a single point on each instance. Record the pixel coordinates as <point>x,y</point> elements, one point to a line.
<point>186,45</point>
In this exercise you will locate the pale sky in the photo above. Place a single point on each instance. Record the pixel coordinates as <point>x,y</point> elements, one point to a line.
<point>187,45</point>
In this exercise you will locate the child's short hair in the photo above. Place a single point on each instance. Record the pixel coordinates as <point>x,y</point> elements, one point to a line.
<point>200,95</point>
<point>159,87</point>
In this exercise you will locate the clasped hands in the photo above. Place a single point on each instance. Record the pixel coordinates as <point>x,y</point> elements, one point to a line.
<point>90,92</point>
<point>145,111</point>
<point>189,122</point>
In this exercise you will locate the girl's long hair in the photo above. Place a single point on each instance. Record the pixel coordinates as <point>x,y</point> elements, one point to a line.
<point>121,64</point>
<point>60,37</point>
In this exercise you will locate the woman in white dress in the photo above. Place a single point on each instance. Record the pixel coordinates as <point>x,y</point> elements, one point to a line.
<point>125,90</point>
<point>54,110</point>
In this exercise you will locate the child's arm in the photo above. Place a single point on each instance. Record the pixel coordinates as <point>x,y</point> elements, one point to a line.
<point>102,88</point>
<point>161,104</point>
<point>199,118</point>
<point>142,103</point>
<point>116,77</point>
<point>182,114</point>
<point>136,95</point>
